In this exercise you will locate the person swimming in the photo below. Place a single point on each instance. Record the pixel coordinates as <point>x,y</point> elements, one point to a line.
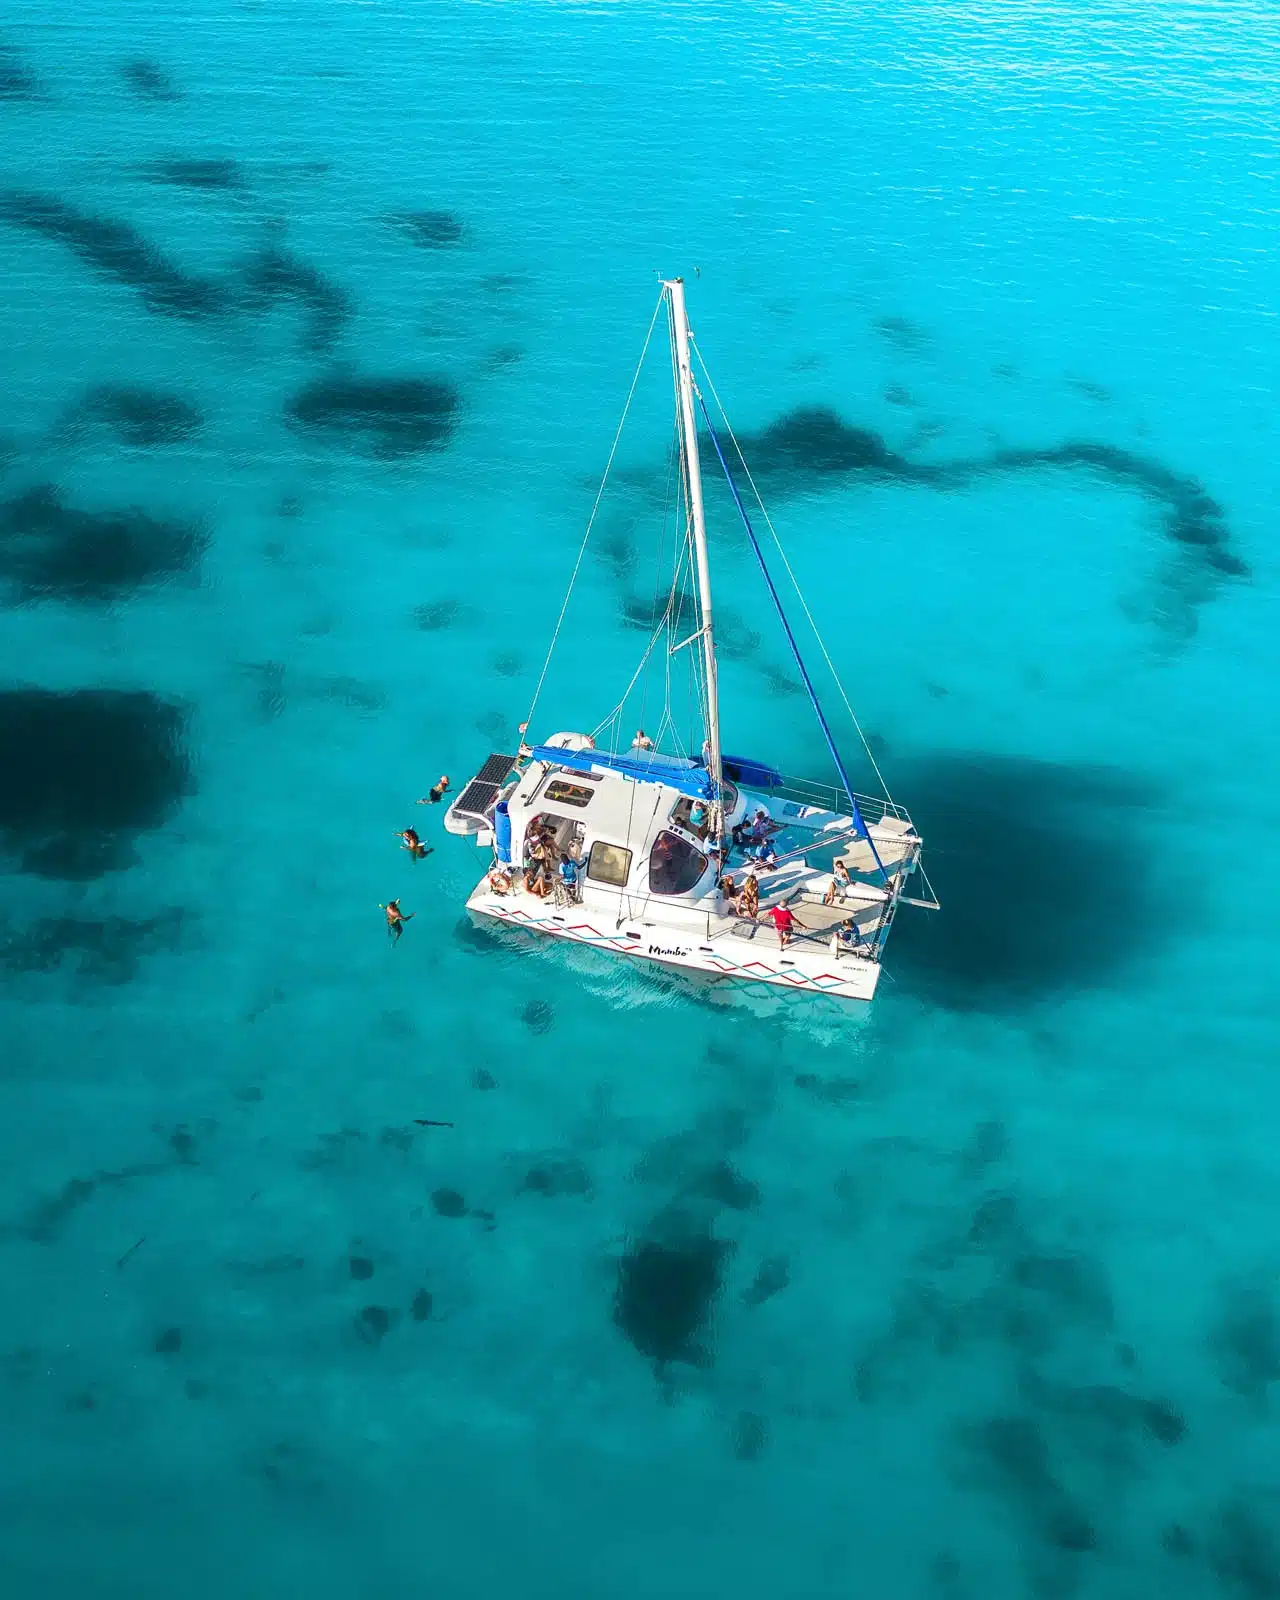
<point>396,919</point>
<point>436,793</point>
<point>413,844</point>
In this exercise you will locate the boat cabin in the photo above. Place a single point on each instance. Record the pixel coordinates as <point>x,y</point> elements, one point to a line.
<point>637,823</point>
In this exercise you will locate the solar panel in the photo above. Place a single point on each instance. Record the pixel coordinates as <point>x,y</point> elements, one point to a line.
<point>477,798</point>
<point>495,769</point>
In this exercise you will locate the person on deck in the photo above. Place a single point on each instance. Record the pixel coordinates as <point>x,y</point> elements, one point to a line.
<point>729,893</point>
<point>537,878</point>
<point>749,899</point>
<point>784,920</point>
<point>570,867</point>
<point>763,826</point>
<point>396,919</point>
<point>846,938</point>
<point>765,855</point>
<point>840,882</point>
<point>642,741</point>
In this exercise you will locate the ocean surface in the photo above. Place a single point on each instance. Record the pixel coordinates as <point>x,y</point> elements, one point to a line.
<point>318,320</point>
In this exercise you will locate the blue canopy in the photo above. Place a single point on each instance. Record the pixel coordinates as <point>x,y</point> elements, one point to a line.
<point>693,781</point>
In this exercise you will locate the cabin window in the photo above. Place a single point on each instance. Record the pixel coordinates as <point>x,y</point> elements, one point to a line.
<point>674,865</point>
<point>609,863</point>
<point>561,792</point>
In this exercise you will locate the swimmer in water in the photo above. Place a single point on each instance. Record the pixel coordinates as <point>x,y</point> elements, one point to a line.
<point>413,844</point>
<point>436,794</point>
<point>396,919</point>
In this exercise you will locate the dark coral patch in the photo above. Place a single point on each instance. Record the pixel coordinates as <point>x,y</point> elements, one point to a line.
<point>49,550</point>
<point>119,252</point>
<point>815,442</point>
<point>389,417</point>
<point>432,230</point>
<point>448,1203</point>
<point>1043,874</point>
<point>83,773</point>
<point>96,950</point>
<point>17,81</point>
<point>148,80</point>
<point>537,1015</point>
<point>275,274</point>
<point>666,1294</point>
<point>196,172</point>
<point>143,417</point>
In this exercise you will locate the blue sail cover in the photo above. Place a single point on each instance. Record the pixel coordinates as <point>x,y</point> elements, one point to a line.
<point>693,781</point>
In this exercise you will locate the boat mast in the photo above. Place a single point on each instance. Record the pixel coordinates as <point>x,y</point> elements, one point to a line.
<point>689,428</point>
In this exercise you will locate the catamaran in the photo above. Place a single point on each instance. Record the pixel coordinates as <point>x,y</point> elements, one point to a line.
<point>686,857</point>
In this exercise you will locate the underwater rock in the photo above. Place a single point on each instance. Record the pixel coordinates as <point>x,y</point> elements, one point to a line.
<point>148,80</point>
<point>432,230</point>
<point>666,1293</point>
<point>537,1016</point>
<point>17,81</point>
<point>483,1080</point>
<point>420,1307</point>
<point>143,417</point>
<point>724,1185</point>
<point>95,950</point>
<point>119,252</point>
<point>52,551</point>
<point>360,1267</point>
<point>275,274</point>
<point>1244,1549</point>
<point>772,1277</point>
<point>1176,1541</point>
<point>903,334</point>
<point>436,615</point>
<point>373,1323</point>
<point>448,1203</point>
<point>748,1436</point>
<point>390,417</point>
<point>1028,850</point>
<point>83,773</point>
<point>1245,1341</point>
<point>556,1176</point>
<point>196,172</point>
<point>833,1091</point>
<point>814,442</point>
<point>168,1343</point>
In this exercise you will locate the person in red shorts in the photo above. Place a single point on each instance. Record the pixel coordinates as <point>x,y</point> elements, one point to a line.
<point>784,920</point>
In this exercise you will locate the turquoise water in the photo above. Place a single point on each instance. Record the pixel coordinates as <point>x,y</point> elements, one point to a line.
<point>975,1297</point>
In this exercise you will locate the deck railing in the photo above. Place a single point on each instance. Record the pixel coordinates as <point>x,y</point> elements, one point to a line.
<point>828,797</point>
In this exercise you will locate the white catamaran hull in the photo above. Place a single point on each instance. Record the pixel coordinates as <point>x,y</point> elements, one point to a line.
<point>739,953</point>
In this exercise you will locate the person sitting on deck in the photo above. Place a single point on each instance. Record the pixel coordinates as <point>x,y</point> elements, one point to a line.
<point>840,882</point>
<point>699,819</point>
<point>763,826</point>
<point>729,893</point>
<point>846,938</point>
<point>642,741</point>
<point>784,920</point>
<point>749,899</point>
<point>765,855</point>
